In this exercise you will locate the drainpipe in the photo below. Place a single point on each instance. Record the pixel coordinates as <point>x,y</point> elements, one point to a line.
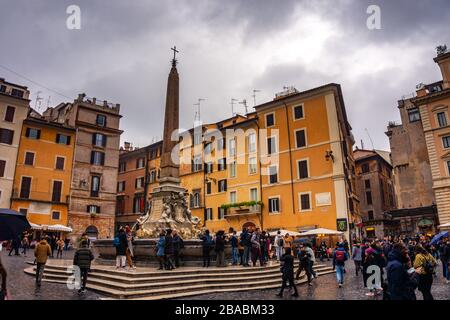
<point>258,156</point>
<point>290,156</point>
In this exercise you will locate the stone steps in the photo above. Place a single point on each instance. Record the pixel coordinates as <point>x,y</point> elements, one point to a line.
<point>174,284</point>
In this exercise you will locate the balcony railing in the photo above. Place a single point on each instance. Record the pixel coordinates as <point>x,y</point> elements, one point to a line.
<point>244,210</point>
<point>40,196</point>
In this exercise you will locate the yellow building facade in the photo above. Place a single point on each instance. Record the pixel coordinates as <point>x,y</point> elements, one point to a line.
<point>43,172</point>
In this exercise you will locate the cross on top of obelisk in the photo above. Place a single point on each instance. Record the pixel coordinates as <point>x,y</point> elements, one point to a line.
<point>175,51</point>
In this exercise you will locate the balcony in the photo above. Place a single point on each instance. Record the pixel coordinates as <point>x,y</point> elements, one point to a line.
<point>243,208</point>
<point>39,196</point>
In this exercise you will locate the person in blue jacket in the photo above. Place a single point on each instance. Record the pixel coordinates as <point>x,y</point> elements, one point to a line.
<point>160,246</point>
<point>402,278</point>
<point>340,255</point>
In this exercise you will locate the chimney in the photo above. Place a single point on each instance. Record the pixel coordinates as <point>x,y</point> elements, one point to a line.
<point>127,146</point>
<point>443,60</point>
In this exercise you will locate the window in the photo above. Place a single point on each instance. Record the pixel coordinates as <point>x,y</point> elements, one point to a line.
<point>122,166</point>
<point>2,88</point>
<point>62,139</point>
<point>33,133</point>
<point>209,167</point>
<point>298,112</point>
<point>152,176</point>
<point>233,197</point>
<point>59,163</point>
<point>270,120</point>
<point>446,142</point>
<point>300,138</point>
<point>56,193</point>
<point>305,201</point>
<point>221,144</point>
<point>197,164</point>
<point>254,194</point>
<point>222,186</point>
<point>121,186</point>
<point>273,174</point>
<point>370,215</point>
<point>17,93</point>
<point>9,116</point>
<point>252,166</point>
<point>101,120</point>
<point>367,183</point>
<point>414,114</point>
<point>139,203</point>
<point>95,186</point>
<point>2,168</point>
<point>252,142</point>
<point>222,164</point>
<point>25,188</point>
<point>56,215</point>
<point>271,145</point>
<point>222,212</point>
<point>232,147</point>
<point>442,119</point>
<point>369,197</point>
<point>365,168</point>
<point>140,163</point>
<point>208,188</point>
<point>208,214</point>
<point>197,138</point>
<point>6,136</point>
<point>99,140</point>
<point>93,209</point>
<point>120,205</point>
<point>448,168</point>
<point>196,199</point>
<point>303,169</point>
<point>233,169</point>
<point>274,205</point>
<point>139,183</point>
<point>29,158</point>
<point>97,158</point>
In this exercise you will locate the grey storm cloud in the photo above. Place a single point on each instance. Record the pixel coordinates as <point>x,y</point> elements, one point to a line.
<point>227,49</point>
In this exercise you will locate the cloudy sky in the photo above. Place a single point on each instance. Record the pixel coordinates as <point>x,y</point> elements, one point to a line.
<point>227,49</point>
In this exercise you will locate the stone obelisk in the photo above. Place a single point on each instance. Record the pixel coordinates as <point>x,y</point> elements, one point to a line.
<point>169,207</point>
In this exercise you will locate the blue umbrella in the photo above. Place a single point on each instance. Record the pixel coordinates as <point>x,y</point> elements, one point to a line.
<point>438,237</point>
<point>12,224</point>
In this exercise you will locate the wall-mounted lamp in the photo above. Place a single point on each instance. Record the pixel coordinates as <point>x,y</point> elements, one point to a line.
<point>329,155</point>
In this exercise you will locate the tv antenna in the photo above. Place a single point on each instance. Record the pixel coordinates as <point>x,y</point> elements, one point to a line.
<point>254,96</point>
<point>37,102</point>
<point>244,102</point>
<point>48,101</point>
<point>233,101</point>
<point>197,113</point>
<point>370,138</point>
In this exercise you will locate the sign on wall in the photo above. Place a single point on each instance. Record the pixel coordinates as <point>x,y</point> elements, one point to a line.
<point>341,225</point>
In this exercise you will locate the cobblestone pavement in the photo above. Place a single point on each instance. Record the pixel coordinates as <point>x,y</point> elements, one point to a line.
<point>325,288</point>
<point>22,287</point>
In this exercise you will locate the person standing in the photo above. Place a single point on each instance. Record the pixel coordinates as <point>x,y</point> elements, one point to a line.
<point>42,252</point>
<point>120,242</point>
<point>247,243</point>
<point>427,263</point>
<point>256,247</point>
<point>339,258</point>
<point>207,244</point>
<point>402,278</point>
<point>129,253</point>
<point>53,244</point>
<point>312,259</point>
<point>160,245</point>
<point>60,248</point>
<point>287,270</point>
<point>357,257</point>
<point>66,244</point>
<point>241,252</point>
<point>178,244</point>
<point>219,248</point>
<point>444,251</point>
<point>234,249</point>
<point>83,258</point>
<point>288,240</point>
<point>15,246</point>
<point>278,243</point>
<point>168,250</point>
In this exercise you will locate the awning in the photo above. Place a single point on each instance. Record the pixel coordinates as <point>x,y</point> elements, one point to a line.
<point>425,223</point>
<point>323,231</point>
<point>53,227</point>
<point>283,232</point>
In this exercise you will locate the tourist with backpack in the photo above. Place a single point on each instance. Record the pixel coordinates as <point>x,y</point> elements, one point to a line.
<point>339,258</point>
<point>121,244</point>
<point>278,243</point>
<point>425,261</point>
<point>207,244</point>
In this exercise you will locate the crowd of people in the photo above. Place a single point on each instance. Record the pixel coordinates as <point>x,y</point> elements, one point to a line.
<point>26,241</point>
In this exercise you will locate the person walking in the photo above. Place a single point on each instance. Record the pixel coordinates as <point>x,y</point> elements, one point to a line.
<point>83,258</point>
<point>402,278</point>
<point>234,249</point>
<point>15,246</point>
<point>178,245</point>
<point>427,263</point>
<point>304,259</point>
<point>287,270</point>
<point>42,252</point>
<point>53,245</point>
<point>66,244</point>
<point>160,245</point>
<point>219,248</point>
<point>288,240</point>
<point>129,253</point>
<point>312,259</point>
<point>120,242</point>
<point>323,251</point>
<point>207,244</point>
<point>256,248</point>
<point>168,250</point>
<point>357,257</point>
<point>278,243</point>
<point>60,248</point>
<point>25,244</point>
<point>339,258</point>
